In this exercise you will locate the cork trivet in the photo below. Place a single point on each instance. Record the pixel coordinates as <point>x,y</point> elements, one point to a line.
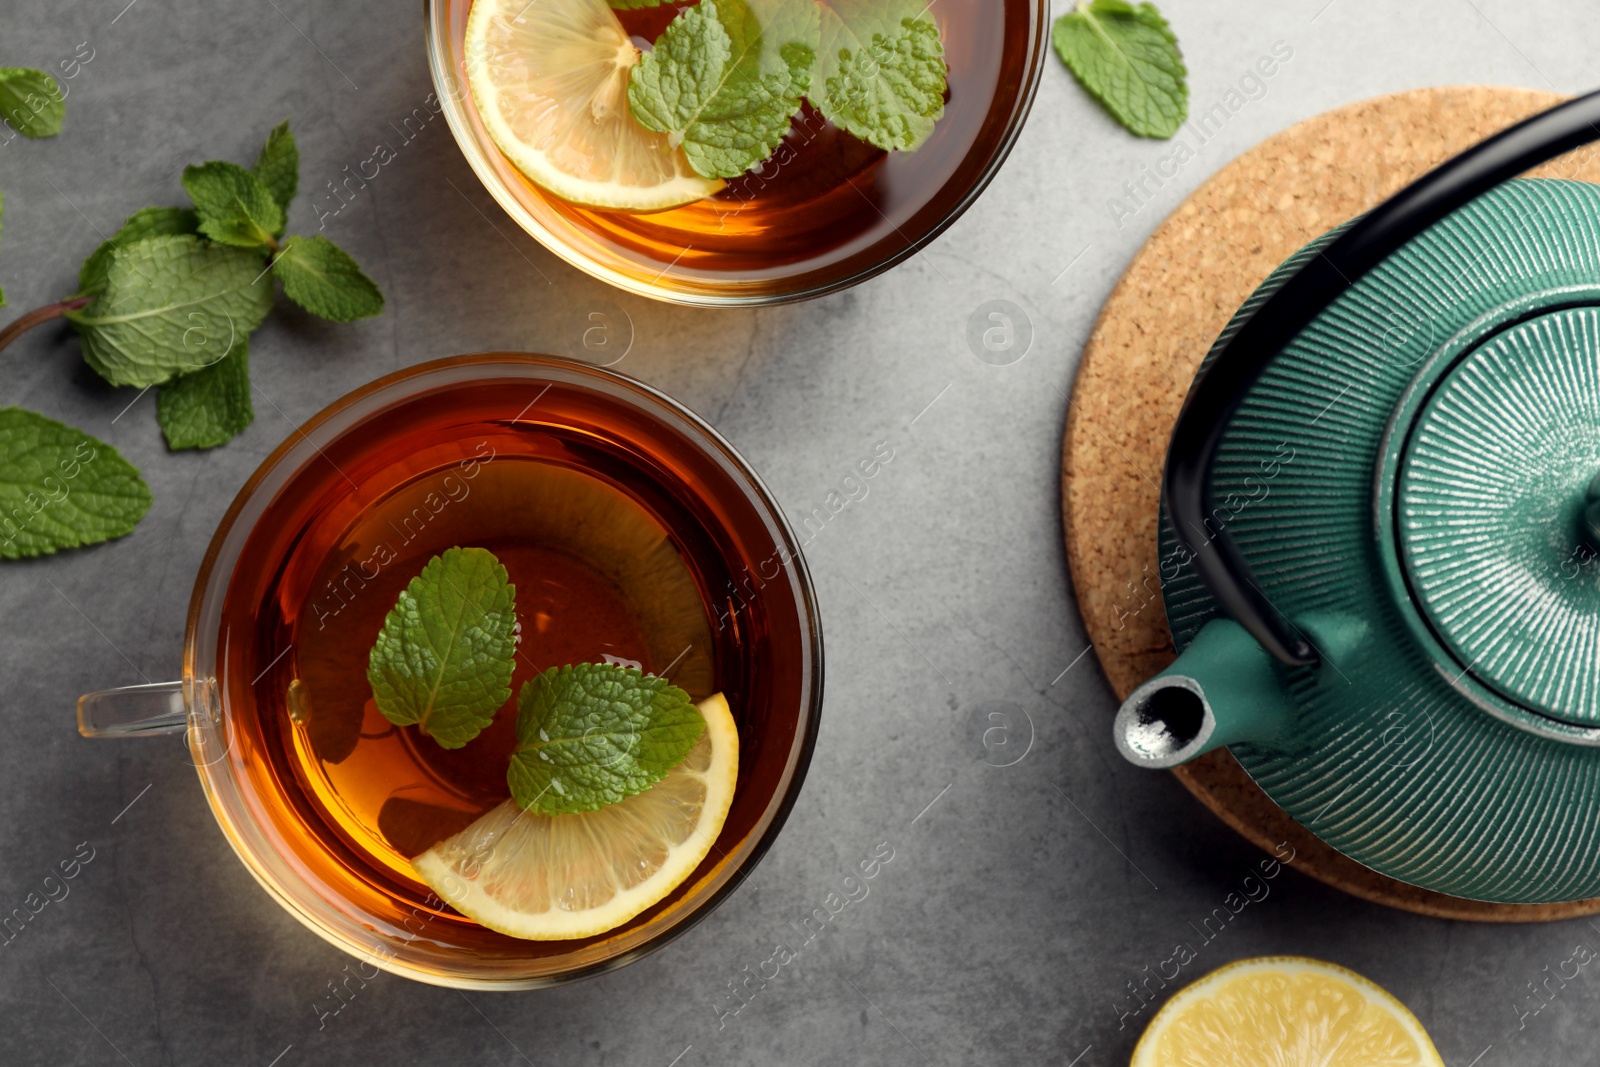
<point>1171,303</point>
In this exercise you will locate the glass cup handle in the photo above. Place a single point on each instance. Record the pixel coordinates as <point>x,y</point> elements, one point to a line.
<point>134,711</point>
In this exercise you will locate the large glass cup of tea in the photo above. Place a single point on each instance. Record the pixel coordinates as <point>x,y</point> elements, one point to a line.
<point>634,534</point>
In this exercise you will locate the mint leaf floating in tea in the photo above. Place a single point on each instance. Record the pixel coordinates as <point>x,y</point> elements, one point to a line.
<point>725,79</point>
<point>594,734</point>
<point>578,874</point>
<point>31,101</point>
<point>443,659</point>
<point>209,406</point>
<point>235,206</point>
<point>1127,58</point>
<point>171,305</point>
<point>320,277</point>
<point>881,72</point>
<point>278,167</point>
<point>61,488</point>
<point>146,222</point>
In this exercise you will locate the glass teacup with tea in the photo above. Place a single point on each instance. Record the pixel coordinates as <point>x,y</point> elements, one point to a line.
<point>621,540</point>
<point>735,152</point>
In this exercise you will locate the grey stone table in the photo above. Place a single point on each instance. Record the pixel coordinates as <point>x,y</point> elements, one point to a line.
<point>1021,899</point>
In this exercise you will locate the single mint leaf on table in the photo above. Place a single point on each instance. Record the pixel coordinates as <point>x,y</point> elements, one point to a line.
<point>322,278</point>
<point>726,78</point>
<point>235,206</point>
<point>169,305</point>
<point>146,222</point>
<point>1127,58</point>
<point>593,734</point>
<point>208,407</point>
<point>61,488</point>
<point>278,167</point>
<point>443,660</point>
<point>881,73</point>
<point>31,101</point>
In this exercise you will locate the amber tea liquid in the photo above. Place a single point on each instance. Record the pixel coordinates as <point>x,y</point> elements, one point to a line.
<point>619,550</point>
<point>597,578</point>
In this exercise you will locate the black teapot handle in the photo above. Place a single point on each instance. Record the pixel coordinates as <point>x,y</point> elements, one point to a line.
<point>1217,395</point>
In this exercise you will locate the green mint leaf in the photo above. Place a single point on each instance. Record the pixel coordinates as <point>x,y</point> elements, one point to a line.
<point>2,211</point>
<point>725,79</point>
<point>60,488</point>
<point>278,167</point>
<point>171,303</point>
<point>1128,59</point>
<point>146,222</point>
<point>244,227</point>
<point>881,72</point>
<point>319,276</point>
<point>31,101</point>
<point>593,734</point>
<point>235,206</point>
<point>208,407</point>
<point>444,657</point>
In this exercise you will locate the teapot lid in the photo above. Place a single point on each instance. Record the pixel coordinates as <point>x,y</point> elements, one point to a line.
<point>1494,519</point>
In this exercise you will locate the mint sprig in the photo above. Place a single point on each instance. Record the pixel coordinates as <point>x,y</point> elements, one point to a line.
<point>728,76</point>
<point>443,660</point>
<point>1127,57</point>
<point>168,300</point>
<point>176,292</point>
<point>592,734</point>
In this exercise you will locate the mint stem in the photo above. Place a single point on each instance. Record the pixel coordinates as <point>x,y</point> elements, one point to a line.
<point>40,315</point>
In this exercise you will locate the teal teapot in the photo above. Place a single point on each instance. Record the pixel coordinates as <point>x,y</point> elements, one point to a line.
<point>1380,553</point>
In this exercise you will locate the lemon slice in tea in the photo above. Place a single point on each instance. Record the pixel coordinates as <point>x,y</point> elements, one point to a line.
<point>1287,1011</point>
<point>550,78</point>
<point>550,877</point>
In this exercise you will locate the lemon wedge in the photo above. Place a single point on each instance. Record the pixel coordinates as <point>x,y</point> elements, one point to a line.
<point>551,877</point>
<point>1286,1011</point>
<point>550,80</point>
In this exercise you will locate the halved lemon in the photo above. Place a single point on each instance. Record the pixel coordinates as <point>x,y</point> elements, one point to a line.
<point>551,877</point>
<point>550,79</point>
<point>1286,1011</point>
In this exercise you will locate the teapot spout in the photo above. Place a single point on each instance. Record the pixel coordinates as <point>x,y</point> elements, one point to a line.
<point>1224,688</point>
